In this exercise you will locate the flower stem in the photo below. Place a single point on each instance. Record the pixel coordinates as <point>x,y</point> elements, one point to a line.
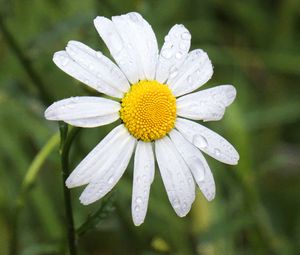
<point>66,141</point>
<point>28,181</point>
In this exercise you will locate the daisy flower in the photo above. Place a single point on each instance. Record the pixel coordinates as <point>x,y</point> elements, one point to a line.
<point>151,93</point>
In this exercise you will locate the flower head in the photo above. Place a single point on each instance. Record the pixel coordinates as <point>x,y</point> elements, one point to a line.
<point>154,103</point>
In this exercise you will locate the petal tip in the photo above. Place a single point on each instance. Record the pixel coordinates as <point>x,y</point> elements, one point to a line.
<point>137,222</point>
<point>48,114</point>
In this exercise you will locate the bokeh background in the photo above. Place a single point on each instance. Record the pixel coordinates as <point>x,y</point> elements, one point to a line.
<point>253,44</point>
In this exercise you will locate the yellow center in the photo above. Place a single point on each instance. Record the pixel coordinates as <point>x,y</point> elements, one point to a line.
<point>148,110</point>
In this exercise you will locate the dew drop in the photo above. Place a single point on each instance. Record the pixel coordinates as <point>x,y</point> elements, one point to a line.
<point>144,177</point>
<point>138,200</point>
<point>186,36</point>
<point>178,55</point>
<point>175,203</point>
<point>65,61</point>
<point>117,45</point>
<point>110,180</point>
<point>137,208</point>
<point>167,53</point>
<point>173,72</point>
<point>183,46</point>
<point>167,38</point>
<point>99,54</point>
<point>190,79</point>
<point>85,80</point>
<point>133,17</point>
<point>91,67</point>
<point>200,141</point>
<point>217,152</point>
<point>197,168</point>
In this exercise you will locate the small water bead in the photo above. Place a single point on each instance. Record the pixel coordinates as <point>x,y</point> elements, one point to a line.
<point>144,177</point>
<point>91,67</point>
<point>190,79</point>
<point>167,38</point>
<point>138,200</point>
<point>175,203</point>
<point>183,46</point>
<point>186,36</point>
<point>118,46</point>
<point>99,54</point>
<point>85,80</point>
<point>200,141</point>
<point>137,208</point>
<point>110,180</point>
<point>179,55</point>
<point>167,53</point>
<point>133,17</point>
<point>197,168</point>
<point>217,152</point>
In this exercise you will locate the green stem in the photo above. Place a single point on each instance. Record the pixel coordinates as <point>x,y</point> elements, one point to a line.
<point>25,62</point>
<point>27,183</point>
<point>66,142</point>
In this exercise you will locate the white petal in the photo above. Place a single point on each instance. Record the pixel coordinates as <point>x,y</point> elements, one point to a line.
<point>176,176</point>
<point>84,111</point>
<point>173,52</point>
<point>194,72</point>
<point>91,164</point>
<point>109,172</point>
<point>98,65</point>
<point>206,104</point>
<point>208,141</point>
<point>140,39</point>
<point>69,66</point>
<point>119,49</point>
<point>197,164</point>
<point>142,179</point>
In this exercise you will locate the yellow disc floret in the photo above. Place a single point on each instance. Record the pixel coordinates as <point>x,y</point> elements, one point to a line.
<point>148,110</point>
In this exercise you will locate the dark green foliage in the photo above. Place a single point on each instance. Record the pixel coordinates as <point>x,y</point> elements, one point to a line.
<point>253,45</point>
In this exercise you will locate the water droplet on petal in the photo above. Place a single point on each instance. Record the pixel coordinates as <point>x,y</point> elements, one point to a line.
<point>197,167</point>
<point>186,36</point>
<point>175,203</point>
<point>167,53</point>
<point>65,61</point>
<point>137,208</point>
<point>178,55</point>
<point>138,200</point>
<point>183,46</point>
<point>217,152</point>
<point>200,141</point>
<point>110,180</point>
<point>133,16</point>
<point>167,38</point>
<point>190,79</point>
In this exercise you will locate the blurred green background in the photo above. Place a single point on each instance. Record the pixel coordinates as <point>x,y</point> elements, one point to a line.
<point>253,45</point>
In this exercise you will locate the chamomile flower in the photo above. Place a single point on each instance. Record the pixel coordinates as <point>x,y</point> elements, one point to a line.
<point>151,94</point>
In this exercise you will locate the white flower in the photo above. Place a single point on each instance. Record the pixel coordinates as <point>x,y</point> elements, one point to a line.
<point>154,106</point>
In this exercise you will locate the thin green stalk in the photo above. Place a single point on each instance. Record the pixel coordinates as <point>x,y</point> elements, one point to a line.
<point>27,183</point>
<point>66,142</point>
<point>25,62</point>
